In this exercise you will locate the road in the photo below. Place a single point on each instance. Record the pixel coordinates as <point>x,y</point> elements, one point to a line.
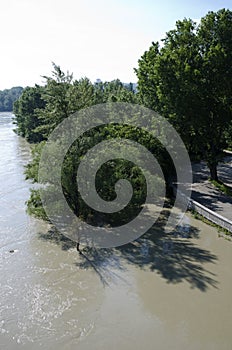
<point>209,196</point>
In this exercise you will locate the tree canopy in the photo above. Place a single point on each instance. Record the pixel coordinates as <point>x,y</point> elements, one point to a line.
<point>189,80</point>
<point>40,109</point>
<point>26,110</point>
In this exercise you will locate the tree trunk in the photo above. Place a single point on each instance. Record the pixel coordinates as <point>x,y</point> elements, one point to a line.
<point>213,172</point>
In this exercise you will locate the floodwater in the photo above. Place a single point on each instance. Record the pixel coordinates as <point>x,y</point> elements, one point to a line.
<point>172,292</point>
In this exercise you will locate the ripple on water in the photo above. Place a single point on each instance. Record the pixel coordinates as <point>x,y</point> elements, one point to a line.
<point>52,298</point>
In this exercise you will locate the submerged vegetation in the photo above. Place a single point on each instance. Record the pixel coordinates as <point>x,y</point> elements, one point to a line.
<point>40,109</point>
<point>188,80</point>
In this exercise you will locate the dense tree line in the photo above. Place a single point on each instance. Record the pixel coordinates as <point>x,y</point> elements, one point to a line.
<point>188,80</point>
<point>8,97</point>
<point>40,109</point>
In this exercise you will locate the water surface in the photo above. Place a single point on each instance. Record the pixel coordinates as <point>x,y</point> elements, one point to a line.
<point>159,293</point>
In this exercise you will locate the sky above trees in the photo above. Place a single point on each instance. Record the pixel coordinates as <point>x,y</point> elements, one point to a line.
<point>98,39</point>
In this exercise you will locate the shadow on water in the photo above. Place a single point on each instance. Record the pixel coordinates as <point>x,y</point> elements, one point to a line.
<point>104,262</point>
<point>54,236</point>
<point>175,256</point>
<point>175,259</point>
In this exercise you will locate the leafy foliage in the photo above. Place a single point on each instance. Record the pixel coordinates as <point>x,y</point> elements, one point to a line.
<point>8,97</point>
<point>41,109</point>
<point>26,111</point>
<point>189,80</point>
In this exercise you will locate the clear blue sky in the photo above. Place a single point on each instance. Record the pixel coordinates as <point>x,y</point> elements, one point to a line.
<point>94,38</point>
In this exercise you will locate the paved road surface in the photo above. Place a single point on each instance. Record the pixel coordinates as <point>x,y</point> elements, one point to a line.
<point>206,194</point>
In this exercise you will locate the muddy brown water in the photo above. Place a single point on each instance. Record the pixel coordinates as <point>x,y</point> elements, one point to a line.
<point>159,293</point>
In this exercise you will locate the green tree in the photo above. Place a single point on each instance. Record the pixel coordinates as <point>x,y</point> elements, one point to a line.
<point>189,81</point>
<point>114,91</point>
<point>26,110</point>
<point>63,96</point>
<point>57,101</point>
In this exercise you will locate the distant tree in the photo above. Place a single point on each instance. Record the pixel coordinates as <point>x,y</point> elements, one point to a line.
<point>114,91</point>
<point>8,97</point>
<point>189,81</point>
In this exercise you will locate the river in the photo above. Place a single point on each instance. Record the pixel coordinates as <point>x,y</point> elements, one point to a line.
<point>160,293</point>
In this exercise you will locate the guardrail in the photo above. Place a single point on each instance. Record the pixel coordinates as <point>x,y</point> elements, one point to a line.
<point>206,212</point>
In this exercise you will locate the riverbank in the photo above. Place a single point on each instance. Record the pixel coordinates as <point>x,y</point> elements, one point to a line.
<point>208,200</point>
<point>160,292</point>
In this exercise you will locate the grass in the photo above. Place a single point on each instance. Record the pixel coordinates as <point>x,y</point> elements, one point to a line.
<point>222,187</point>
<point>222,232</point>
